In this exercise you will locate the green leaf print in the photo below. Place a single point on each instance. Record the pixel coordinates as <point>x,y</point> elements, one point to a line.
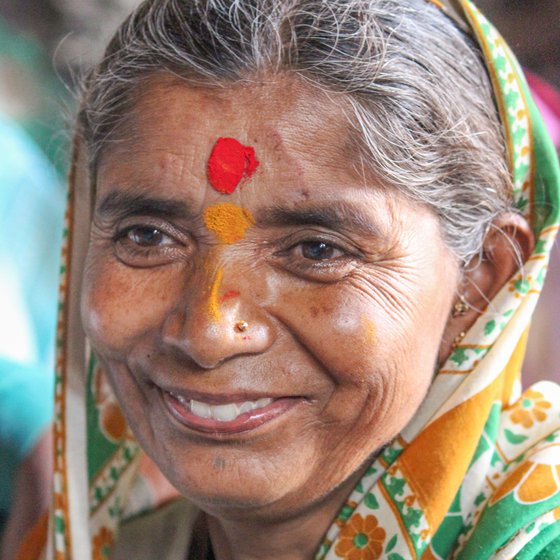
<point>459,356</point>
<point>395,556</point>
<point>390,454</point>
<point>412,517</point>
<point>391,544</point>
<point>395,486</point>
<point>490,326</point>
<point>345,513</point>
<point>516,439</point>
<point>371,501</point>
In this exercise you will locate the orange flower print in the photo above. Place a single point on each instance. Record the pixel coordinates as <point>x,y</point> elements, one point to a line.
<point>111,420</point>
<point>361,539</point>
<point>102,544</point>
<point>530,409</point>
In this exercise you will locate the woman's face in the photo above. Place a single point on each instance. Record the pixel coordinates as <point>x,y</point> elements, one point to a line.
<point>265,343</point>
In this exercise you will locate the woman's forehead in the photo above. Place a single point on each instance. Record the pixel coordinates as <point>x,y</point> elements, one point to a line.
<point>300,138</point>
<point>284,117</point>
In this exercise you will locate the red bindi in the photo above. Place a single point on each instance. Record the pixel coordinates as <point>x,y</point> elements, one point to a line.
<point>230,163</point>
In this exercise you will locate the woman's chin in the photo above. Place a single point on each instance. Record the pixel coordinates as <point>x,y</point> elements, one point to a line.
<point>228,504</point>
<point>229,482</point>
<point>220,479</point>
<point>246,497</point>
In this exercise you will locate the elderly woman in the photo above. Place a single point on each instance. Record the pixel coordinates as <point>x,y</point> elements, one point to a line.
<point>305,241</point>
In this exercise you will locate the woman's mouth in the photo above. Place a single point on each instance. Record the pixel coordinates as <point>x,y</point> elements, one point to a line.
<point>227,417</point>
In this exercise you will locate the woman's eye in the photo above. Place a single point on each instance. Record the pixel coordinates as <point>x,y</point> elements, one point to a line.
<point>147,237</point>
<point>318,260</point>
<point>319,251</point>
<point>146,246</point>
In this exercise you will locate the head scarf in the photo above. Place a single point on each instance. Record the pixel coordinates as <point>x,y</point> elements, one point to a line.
<point>476,474</point>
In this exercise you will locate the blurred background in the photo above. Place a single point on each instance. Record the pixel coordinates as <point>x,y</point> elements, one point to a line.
<point>45,45</point>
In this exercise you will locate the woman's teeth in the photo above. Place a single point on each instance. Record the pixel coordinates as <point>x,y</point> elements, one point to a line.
<point>222,412</point>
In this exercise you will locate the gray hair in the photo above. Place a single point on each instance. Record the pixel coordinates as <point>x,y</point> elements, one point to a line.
<point>421,103</point>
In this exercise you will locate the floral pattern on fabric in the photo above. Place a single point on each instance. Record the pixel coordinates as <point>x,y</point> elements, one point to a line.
<point>111,419</point>
<point>103,544</point>
<point>361,539</point>
<point>531,408</point>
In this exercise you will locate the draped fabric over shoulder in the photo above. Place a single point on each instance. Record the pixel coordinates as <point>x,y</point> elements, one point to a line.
<point>476,474</point>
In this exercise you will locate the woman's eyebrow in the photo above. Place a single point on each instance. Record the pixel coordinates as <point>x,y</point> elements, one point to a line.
<point>118,204</point>
<point>335,216</point>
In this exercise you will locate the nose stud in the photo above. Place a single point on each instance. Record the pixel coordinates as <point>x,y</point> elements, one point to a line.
<point>241,326</point>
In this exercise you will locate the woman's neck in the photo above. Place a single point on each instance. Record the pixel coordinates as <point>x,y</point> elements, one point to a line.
<point>294,538</point>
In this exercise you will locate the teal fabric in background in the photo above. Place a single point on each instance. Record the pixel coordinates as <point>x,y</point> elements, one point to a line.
<point>31,217</point>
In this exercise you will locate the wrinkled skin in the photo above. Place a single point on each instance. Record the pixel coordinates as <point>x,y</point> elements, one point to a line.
<point>346,319</point>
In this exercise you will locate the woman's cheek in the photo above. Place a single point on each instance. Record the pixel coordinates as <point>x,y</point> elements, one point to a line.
<point>371,354</point>
<point>120,304</point>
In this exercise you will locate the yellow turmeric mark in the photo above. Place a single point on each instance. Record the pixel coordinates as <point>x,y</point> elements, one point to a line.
<point>369,330</point>
<point>214,299</point>
<point>228,221</point>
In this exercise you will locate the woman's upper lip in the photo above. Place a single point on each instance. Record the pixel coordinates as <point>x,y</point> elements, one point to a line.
<point>225,397</point>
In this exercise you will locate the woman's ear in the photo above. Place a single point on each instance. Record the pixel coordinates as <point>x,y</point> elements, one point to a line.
<point>507,245</point>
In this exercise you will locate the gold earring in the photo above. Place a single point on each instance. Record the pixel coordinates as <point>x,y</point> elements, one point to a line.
<point>241,326</point>
<point>460,309</point>
<point>458,339</point>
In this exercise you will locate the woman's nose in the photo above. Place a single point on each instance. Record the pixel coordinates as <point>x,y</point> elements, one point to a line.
<point>216,325</point>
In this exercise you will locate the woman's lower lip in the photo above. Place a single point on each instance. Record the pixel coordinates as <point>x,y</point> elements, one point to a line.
<point>243,423</point>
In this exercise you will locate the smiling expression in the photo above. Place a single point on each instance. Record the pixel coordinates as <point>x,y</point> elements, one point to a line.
<point>262,371</point>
